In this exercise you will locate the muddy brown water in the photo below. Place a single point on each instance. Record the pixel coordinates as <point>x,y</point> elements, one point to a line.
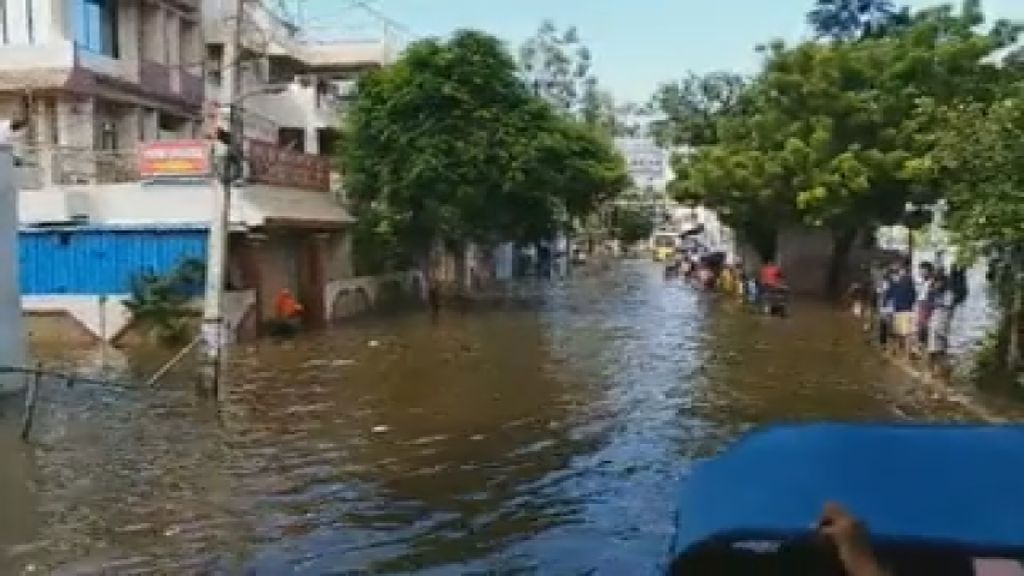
<point>547,435</point>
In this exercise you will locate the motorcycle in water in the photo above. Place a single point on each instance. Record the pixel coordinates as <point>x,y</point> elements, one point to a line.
<point>774,300</point>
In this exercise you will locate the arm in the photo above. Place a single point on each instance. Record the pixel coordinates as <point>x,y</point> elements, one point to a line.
<point>851,540</point>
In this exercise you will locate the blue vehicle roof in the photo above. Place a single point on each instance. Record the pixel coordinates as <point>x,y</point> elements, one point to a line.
<point>950,486</point>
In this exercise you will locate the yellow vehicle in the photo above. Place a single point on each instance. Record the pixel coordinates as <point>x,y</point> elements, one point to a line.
<point>664,245</point>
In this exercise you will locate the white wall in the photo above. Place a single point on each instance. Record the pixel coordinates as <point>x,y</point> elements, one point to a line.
<point>104,317</point>
<point>12,333</point>
<point>129,203</point>
<point>140,203</point>
<point>59,54</point>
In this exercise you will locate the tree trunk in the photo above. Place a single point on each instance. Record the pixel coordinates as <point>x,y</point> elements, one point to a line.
<point>1013,355</point>
<point>841,248</point>
<point>433,289</point>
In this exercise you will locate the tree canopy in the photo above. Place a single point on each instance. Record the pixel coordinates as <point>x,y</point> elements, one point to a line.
<point>977,161</point>
<point>827,134</point>
<point>449,144</point>
<point>558,66</point>
<point>842,20</point>
<point>631,223</point>
<point>689,110</point>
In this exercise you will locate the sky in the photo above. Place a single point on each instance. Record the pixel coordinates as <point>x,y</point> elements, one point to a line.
<point>636,44</point>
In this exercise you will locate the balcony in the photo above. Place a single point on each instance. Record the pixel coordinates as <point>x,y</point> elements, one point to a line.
<point>155,77</point>
<point>192,88</point>
<point>43,168</point>
<point>36,66</point>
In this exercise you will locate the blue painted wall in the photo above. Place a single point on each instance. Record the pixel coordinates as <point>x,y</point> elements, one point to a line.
<point>91,260</point>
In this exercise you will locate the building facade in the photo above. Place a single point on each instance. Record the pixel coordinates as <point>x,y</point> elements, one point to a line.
<point>121,97</point>
<point>95,77</point>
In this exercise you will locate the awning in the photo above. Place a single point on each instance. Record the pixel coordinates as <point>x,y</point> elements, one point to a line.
<point>260,206</point>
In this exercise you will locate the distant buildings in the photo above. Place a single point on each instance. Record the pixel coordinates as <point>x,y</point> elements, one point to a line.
<point>647,163</point>
<point>115,166</point>
<point>650,170</point>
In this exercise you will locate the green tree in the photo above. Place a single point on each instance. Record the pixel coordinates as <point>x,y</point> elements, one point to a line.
<point>842,20</point>
<point>688,110</point>
<point>162,304</point>
<point>449,145</point>
<point>557,67</point>
<point>631,223</point>
<point>977,158</point>
<point>826,135</point>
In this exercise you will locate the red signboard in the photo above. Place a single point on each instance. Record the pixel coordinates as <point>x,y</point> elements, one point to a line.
<point>270,164</point>
<point>174,158</point>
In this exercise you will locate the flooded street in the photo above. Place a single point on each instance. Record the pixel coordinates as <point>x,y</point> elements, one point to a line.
<point>539,437</point>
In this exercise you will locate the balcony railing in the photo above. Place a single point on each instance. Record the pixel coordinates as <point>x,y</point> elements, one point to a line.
<point>187,5</point>
<point>41,167</point>
<point>192,88</point>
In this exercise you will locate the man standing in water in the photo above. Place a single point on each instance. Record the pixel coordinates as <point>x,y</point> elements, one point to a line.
<point>923,307</point>
<point>899,298</point>
<point>941,301</point>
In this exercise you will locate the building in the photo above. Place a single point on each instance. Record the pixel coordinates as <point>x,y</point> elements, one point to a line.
<point>94,77</point>
<point>117,151</point>
<point>646,162</point>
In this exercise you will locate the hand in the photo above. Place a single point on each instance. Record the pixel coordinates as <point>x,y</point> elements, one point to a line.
<point>851,540</point>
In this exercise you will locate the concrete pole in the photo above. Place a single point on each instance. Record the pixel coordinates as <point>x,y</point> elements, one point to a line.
<point>213,330</point>
<point>12,333</point>
<point>938,224</point>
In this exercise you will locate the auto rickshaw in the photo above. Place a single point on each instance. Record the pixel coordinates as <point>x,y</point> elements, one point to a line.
<point>664,245</point>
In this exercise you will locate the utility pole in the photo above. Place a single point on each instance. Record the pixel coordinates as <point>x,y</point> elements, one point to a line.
<point>213,333</point>
<point>936,232</point>
<point>12,334</point>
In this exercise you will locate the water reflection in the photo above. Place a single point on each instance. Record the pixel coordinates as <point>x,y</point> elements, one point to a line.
<point>546,438</point>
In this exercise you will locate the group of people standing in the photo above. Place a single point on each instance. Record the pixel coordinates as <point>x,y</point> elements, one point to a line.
<point>764,286</point>
<point>912,316</point>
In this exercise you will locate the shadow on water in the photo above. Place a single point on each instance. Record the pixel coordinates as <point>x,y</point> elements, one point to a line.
<point>548,435</point>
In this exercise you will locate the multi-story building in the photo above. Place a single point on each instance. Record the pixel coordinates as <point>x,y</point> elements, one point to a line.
<point>116,170</point>
<point>94,78</point>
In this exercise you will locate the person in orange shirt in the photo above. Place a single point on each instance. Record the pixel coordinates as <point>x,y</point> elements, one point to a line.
<point>287,307</point>
<point>771,275</point>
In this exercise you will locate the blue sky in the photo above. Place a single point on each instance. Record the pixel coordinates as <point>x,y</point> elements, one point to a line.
<point>635,43</point>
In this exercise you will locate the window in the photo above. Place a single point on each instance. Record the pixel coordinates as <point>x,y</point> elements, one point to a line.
<point>327,140</point>
<point>172,127</point>
<point>107,135</point>
<point>96,26</point>
<point>214,64</point>
<point>292,139</point>
<point>53,120</point>
<point>29,21</point>
<point>167,33</point>
<point>3,21</point>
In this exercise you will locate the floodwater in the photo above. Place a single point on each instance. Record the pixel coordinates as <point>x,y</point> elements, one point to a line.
<point>543,436</point>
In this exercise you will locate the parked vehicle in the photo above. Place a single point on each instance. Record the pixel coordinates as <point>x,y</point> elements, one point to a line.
<point>774,301</point>
<point>935,499</point>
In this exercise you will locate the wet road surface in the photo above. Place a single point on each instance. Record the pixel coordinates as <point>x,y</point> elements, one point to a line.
<point>536,437</point>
